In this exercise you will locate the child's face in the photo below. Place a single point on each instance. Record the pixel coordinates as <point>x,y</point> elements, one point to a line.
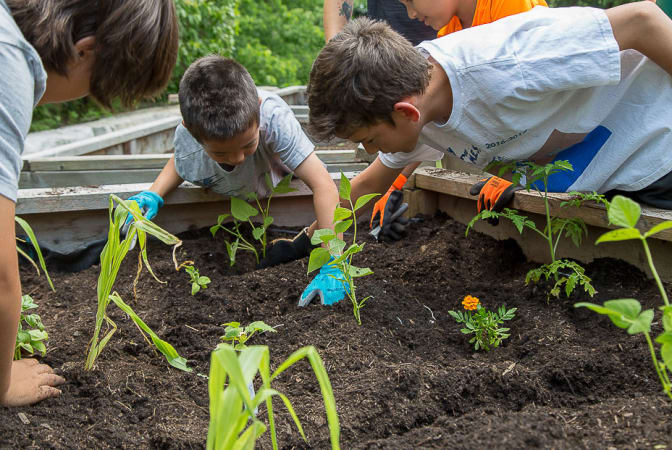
<point>435,13</point>
<point>233,151</point>
<point>387,138</point>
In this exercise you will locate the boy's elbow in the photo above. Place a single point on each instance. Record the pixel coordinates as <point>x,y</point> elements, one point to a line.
<point>633,24</point>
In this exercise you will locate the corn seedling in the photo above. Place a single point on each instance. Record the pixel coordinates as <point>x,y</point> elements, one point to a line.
<point>197,281</point>
<point>237,336</point>
<point>233,425</point>
<point>36,247</point>
<point>335,253</point>
<point>31,335</point>
<point>627,313</point>
<point>566,273</point>
<point>483,324</point>
<point>242,211</point>
<point>110,261</point>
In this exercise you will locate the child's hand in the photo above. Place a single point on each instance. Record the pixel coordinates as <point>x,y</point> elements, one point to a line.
<point>30,383</point>
<point>494,193</point>
<point>328,285</point>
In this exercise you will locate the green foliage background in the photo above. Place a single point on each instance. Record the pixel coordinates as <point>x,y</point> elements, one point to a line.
<point>276,40</point>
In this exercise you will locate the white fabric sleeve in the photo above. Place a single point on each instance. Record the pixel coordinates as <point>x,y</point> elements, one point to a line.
<point>422,152</point>
<point>17,98</point>
<point>284,133</point>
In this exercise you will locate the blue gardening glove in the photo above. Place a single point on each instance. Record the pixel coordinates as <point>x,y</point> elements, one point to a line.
<point>329,290</point>
<point>149,203</point>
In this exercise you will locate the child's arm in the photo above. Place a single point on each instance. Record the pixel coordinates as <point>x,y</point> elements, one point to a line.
<point>644,27</point>
<point>151,200</point>
<point>168,180</point>
<point>325,194</point>
<point>21,382</point>
<point>336,14</point>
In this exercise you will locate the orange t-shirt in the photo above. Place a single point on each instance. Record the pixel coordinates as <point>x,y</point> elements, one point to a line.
<point>488,11</point>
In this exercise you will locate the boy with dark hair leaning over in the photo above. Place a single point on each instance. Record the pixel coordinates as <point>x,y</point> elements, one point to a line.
<point>231,136</point>
<point>585,85</point>
<point>53,51</point>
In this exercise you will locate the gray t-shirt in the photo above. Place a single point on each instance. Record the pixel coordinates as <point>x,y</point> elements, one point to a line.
<point>22,84</point>
<point>283,146</point>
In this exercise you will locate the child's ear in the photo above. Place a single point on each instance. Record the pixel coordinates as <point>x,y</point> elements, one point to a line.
<point>409,111</point>
<point>85,46</point>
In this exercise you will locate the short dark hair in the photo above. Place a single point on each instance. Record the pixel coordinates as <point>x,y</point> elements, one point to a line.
<point>135,41</point>
<point>358,77</point>
<point>218,99</point>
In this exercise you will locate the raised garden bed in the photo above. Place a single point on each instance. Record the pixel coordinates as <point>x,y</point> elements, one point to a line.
<point>407,378</point>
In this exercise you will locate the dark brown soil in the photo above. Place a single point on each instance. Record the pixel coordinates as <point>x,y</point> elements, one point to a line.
<point>407,378</point>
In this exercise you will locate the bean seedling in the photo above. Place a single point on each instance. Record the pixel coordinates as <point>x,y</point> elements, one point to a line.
<point>334,253</point>
<point>232,405</point>
<point>483,324</point>
<point>110,261</point>
<point>242,212</point>
<point>564,272</point>
<point>31,336</point>
<point>197,281</point>
<point>627,313</point>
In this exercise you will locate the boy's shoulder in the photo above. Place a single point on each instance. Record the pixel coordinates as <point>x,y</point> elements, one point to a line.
<point>270,105</point>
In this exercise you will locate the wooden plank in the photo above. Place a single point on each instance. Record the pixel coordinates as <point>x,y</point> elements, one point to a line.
<point>83,198</point>
<point>141,161</point>
<point>109,139</point>
<point>458,184</point>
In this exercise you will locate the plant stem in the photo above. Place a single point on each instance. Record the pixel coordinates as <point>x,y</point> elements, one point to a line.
<point>549,238</point>
<point>666,386</point>
<point>654,272</point>
<point>557,241</point>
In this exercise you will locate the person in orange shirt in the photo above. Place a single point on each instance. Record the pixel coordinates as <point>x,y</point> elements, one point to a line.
<point>449,16</point>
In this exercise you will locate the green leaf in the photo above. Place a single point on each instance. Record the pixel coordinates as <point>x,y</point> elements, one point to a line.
<point>624,212</point>
<point>336,246</point>
<point>356,272</point>
<point>318,257</point>
<point>344,188</point>
<point>283,186</point>
<point>195,287</point>
<point>203,281</point>
<point>624,313</point>
<point>658,228</point>
<point>342,227</point>
<point>257,233</point>
<point>268,221</point>
<point>323,235</point>
<point>341,213</point>
<point>260,326</point>
<point>665,338</point>
<point>622,234</point>
<point>667,318</point>
<point>364,199</point>
<point>242,210</point>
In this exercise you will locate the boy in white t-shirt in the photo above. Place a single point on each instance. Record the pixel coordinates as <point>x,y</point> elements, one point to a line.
<point>580,84</point>
<point>586,85</point>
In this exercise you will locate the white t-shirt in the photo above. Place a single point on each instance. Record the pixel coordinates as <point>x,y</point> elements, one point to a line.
<point>282,147</point>
<point>551,84</point>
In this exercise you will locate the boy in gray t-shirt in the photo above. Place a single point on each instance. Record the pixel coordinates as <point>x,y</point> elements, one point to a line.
<point>231,136</point>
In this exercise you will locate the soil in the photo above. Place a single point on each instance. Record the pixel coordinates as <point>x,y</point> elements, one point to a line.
<point>405,378</point>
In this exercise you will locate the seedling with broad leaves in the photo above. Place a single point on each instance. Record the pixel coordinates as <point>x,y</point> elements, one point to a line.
<point>110,262</point>
<point>567,274</point>
<point>237,336</point>
<point>31,335</point>
<point>197,281</point>
<point>483,324</point>
<point>233,424</point>
<point>335,253</point>
<point>242,212</point>
<point>627,313</point>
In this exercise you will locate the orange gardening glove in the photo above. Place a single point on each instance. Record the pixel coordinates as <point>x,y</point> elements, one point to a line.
<point>378,213</point>
<point>494,193</point>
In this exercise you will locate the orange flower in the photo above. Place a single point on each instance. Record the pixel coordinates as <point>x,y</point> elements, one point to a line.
<point>470,303</point>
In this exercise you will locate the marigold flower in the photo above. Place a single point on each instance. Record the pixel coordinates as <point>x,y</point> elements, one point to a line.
<point>470,303</point>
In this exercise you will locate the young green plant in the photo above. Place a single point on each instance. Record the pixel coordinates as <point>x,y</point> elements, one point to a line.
<point>242,212</point>
<point>237,336</point>
<point>111,258</point>
<point>36,247</point>
<point>483,324</point>
<point>564,272</point>
<point>197,281</point>
<point>233,424</point>
<point>335,253</point>
<point>31,335</point>
<point>627,313</point>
